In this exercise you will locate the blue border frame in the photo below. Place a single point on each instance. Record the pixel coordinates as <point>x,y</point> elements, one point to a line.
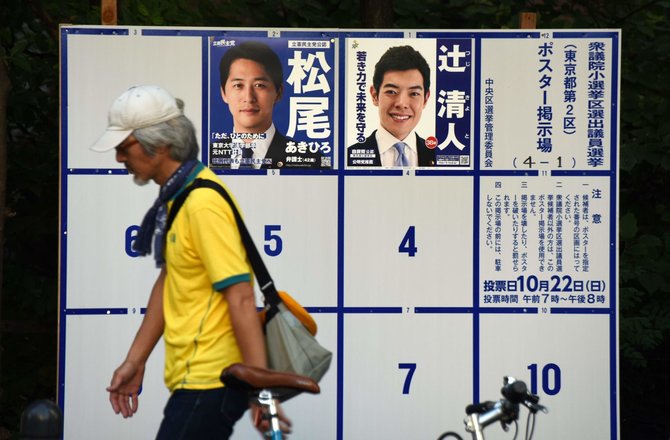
<point>476,310</point>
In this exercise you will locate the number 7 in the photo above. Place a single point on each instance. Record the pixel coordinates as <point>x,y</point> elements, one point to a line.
<point>411,368</point>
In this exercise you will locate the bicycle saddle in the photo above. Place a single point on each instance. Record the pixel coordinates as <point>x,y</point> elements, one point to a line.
<point>254,379</point>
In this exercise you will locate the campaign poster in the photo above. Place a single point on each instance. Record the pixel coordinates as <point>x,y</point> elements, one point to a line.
<point>556,113</point>
<point>271,103</point>
<point>408,102</point>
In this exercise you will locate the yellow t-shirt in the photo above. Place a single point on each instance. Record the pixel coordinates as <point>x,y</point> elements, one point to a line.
<point>204,254</point>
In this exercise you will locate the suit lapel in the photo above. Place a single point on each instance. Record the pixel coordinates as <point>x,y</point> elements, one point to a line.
<point>425,155</point>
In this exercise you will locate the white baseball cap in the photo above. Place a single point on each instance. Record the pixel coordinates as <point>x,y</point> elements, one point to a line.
<point>138,107</point>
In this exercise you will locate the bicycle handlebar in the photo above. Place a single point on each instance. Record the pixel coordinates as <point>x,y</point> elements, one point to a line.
<point>505,410</point>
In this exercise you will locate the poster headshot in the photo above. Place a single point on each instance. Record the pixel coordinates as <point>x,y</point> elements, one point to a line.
<point>271,103</point>
<point>407,103</point>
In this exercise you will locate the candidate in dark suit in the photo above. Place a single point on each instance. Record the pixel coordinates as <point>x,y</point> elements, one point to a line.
<point>286,153</point>
<point>251,85</point>
<point>279,152</point>
<point>400,89</point>
<point>368,154</point>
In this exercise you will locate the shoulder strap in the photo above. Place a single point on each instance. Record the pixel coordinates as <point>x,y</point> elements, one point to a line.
<point>262,275</point>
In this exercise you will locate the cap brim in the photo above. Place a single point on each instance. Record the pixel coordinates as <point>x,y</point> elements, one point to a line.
<point>110,139</point>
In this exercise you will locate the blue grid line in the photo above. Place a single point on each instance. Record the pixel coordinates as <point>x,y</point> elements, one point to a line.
<point>97,311</point>
<point>341,206</point>
<point>442,310</point>
<point>508,310</point>
<point>479,35</point>
<point>614,422</point>
<point>204,124</point>
<point>475,226</point>
<point>582,173</point>
<point>106,30</point>
<point>585,34</point>
<point>581,311</point>
<point>158,32</point>
<point>378,310</point>
<point>62,293</point>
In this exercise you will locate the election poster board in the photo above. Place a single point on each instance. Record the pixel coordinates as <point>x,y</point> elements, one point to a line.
<point>484,246</point>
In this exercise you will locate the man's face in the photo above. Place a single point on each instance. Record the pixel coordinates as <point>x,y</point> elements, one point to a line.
<point>401,99</point>
<point>250,95</point>
<point>139,164</point>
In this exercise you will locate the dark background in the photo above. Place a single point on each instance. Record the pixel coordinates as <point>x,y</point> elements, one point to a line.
<point>29,165</point>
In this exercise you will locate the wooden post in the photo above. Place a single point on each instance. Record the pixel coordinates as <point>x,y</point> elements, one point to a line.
<point>377,14</point>
<point>527,20</point>
<point>108,16</point>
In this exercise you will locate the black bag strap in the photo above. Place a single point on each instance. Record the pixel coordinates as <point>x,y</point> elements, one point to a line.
<point>262,275</point>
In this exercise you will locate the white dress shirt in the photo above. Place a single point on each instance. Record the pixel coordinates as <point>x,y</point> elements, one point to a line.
<point>388,153</point>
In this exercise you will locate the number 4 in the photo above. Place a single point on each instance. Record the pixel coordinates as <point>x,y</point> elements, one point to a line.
<point>408,243</point>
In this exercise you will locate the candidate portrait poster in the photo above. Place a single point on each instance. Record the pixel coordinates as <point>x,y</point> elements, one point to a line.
<point>439,129</point>
<point>300,106</point>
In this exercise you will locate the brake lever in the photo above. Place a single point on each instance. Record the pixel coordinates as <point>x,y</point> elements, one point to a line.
<point>534,407</point>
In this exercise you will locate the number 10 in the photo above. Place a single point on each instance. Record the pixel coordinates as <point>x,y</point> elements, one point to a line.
<point>550,389</point>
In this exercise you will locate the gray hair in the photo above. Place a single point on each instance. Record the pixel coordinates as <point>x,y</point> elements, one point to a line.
<point>178,134</point>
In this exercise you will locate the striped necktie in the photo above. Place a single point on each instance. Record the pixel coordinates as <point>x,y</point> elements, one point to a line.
<point>401,160</point>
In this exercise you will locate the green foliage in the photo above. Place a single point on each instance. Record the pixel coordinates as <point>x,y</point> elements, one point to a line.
<point>644,305</point>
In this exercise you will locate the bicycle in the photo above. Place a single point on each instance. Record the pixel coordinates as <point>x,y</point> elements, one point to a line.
<point>506,410</point>
<point>266,387</point>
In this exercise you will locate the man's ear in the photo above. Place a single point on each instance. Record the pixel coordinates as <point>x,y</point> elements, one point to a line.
<point>425,99</point>
<point>375,97</point>
<point>162,150</point>
<point>223,95</point>
<point>280,92</point>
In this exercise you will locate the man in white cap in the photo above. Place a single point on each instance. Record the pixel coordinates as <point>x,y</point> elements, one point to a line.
<point>202,302</point>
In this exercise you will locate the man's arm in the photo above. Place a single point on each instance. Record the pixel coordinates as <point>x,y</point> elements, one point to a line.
<point>249,335</point>
<point>246,323</point>
<point>127,379</point>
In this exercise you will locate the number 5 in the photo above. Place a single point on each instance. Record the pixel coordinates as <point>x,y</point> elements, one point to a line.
<point>271,237</point>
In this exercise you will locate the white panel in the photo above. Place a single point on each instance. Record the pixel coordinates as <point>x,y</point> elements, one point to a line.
<point>95,346</point>
<point>101,67</point>
<point>576,345</point>
<point>89,369</point>
<point>374,347</point>
<point>378,214</point>
<point>99,271</point>
<point>305,208</point>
